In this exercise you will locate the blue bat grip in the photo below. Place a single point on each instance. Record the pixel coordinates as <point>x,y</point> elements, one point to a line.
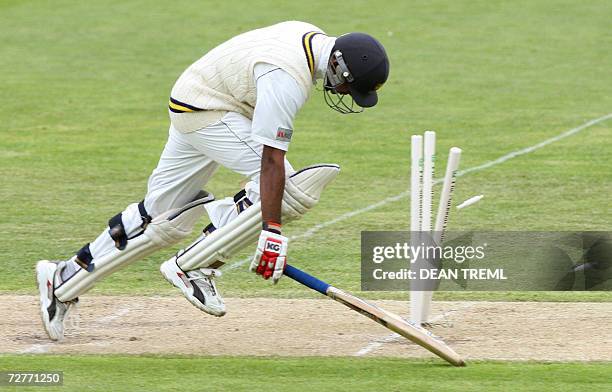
<point>306,279</point>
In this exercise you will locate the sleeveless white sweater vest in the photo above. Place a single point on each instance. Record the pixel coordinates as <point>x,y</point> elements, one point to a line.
<point>223,81</point>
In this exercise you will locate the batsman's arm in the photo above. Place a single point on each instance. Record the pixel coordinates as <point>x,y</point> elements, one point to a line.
<point>272,183</point>
<point>271,253</point>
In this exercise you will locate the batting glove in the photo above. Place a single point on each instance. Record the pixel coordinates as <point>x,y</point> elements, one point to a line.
<point>271,255</point>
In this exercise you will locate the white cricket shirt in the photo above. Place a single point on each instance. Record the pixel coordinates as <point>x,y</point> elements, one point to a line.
<point>280,98</point>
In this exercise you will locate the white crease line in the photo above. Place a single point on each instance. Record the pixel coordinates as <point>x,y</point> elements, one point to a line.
<point>36,349</point>
<point>373,345</point>
<point>39,348</point>
<point>310,232</point>
<point>544,143</point>
<point>112,317</point>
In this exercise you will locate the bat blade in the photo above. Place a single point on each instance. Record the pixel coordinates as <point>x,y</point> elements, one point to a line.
<point>389,320</point>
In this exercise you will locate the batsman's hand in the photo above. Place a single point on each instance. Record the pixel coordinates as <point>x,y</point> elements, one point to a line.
<point>271,255</point>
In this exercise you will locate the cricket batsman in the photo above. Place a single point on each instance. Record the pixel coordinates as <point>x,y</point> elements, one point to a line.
<point>233,107</point>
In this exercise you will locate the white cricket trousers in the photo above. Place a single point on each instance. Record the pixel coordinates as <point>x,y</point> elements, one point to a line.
<point>187,163</point>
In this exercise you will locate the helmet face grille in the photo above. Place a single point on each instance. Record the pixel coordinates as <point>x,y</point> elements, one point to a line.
<point>337,70</point>
<point>336,102</point>
<point>337,73</point>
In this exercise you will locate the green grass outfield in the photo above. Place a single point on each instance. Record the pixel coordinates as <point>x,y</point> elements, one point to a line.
<point>83,119</point>
<point>129,373</point>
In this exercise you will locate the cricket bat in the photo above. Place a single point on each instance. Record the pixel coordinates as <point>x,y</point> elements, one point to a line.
<point>414,333</point>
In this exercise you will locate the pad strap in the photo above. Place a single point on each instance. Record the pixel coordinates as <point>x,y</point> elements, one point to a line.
<point>146,218</point>
<point>84,258</point>
<point>116,229</point>
<point>242,201</point>
<point>209,229</point>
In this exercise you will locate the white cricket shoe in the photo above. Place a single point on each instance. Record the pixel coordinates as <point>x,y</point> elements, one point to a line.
<point>198,286</point>
<point>52,311</point>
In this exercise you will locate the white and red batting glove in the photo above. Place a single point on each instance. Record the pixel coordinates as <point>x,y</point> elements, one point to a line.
<point>271,255</point>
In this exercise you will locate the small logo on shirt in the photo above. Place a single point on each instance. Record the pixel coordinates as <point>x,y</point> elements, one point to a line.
<point>284,134</point>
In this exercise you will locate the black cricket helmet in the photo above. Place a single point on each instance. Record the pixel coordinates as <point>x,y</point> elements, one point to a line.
<point>359,60</point>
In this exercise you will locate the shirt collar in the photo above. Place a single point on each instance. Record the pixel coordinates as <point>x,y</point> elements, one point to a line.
<point>322,46</point>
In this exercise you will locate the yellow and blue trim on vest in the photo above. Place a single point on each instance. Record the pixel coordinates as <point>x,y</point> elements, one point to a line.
<point>177,106</point>
<point>307,45</point>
